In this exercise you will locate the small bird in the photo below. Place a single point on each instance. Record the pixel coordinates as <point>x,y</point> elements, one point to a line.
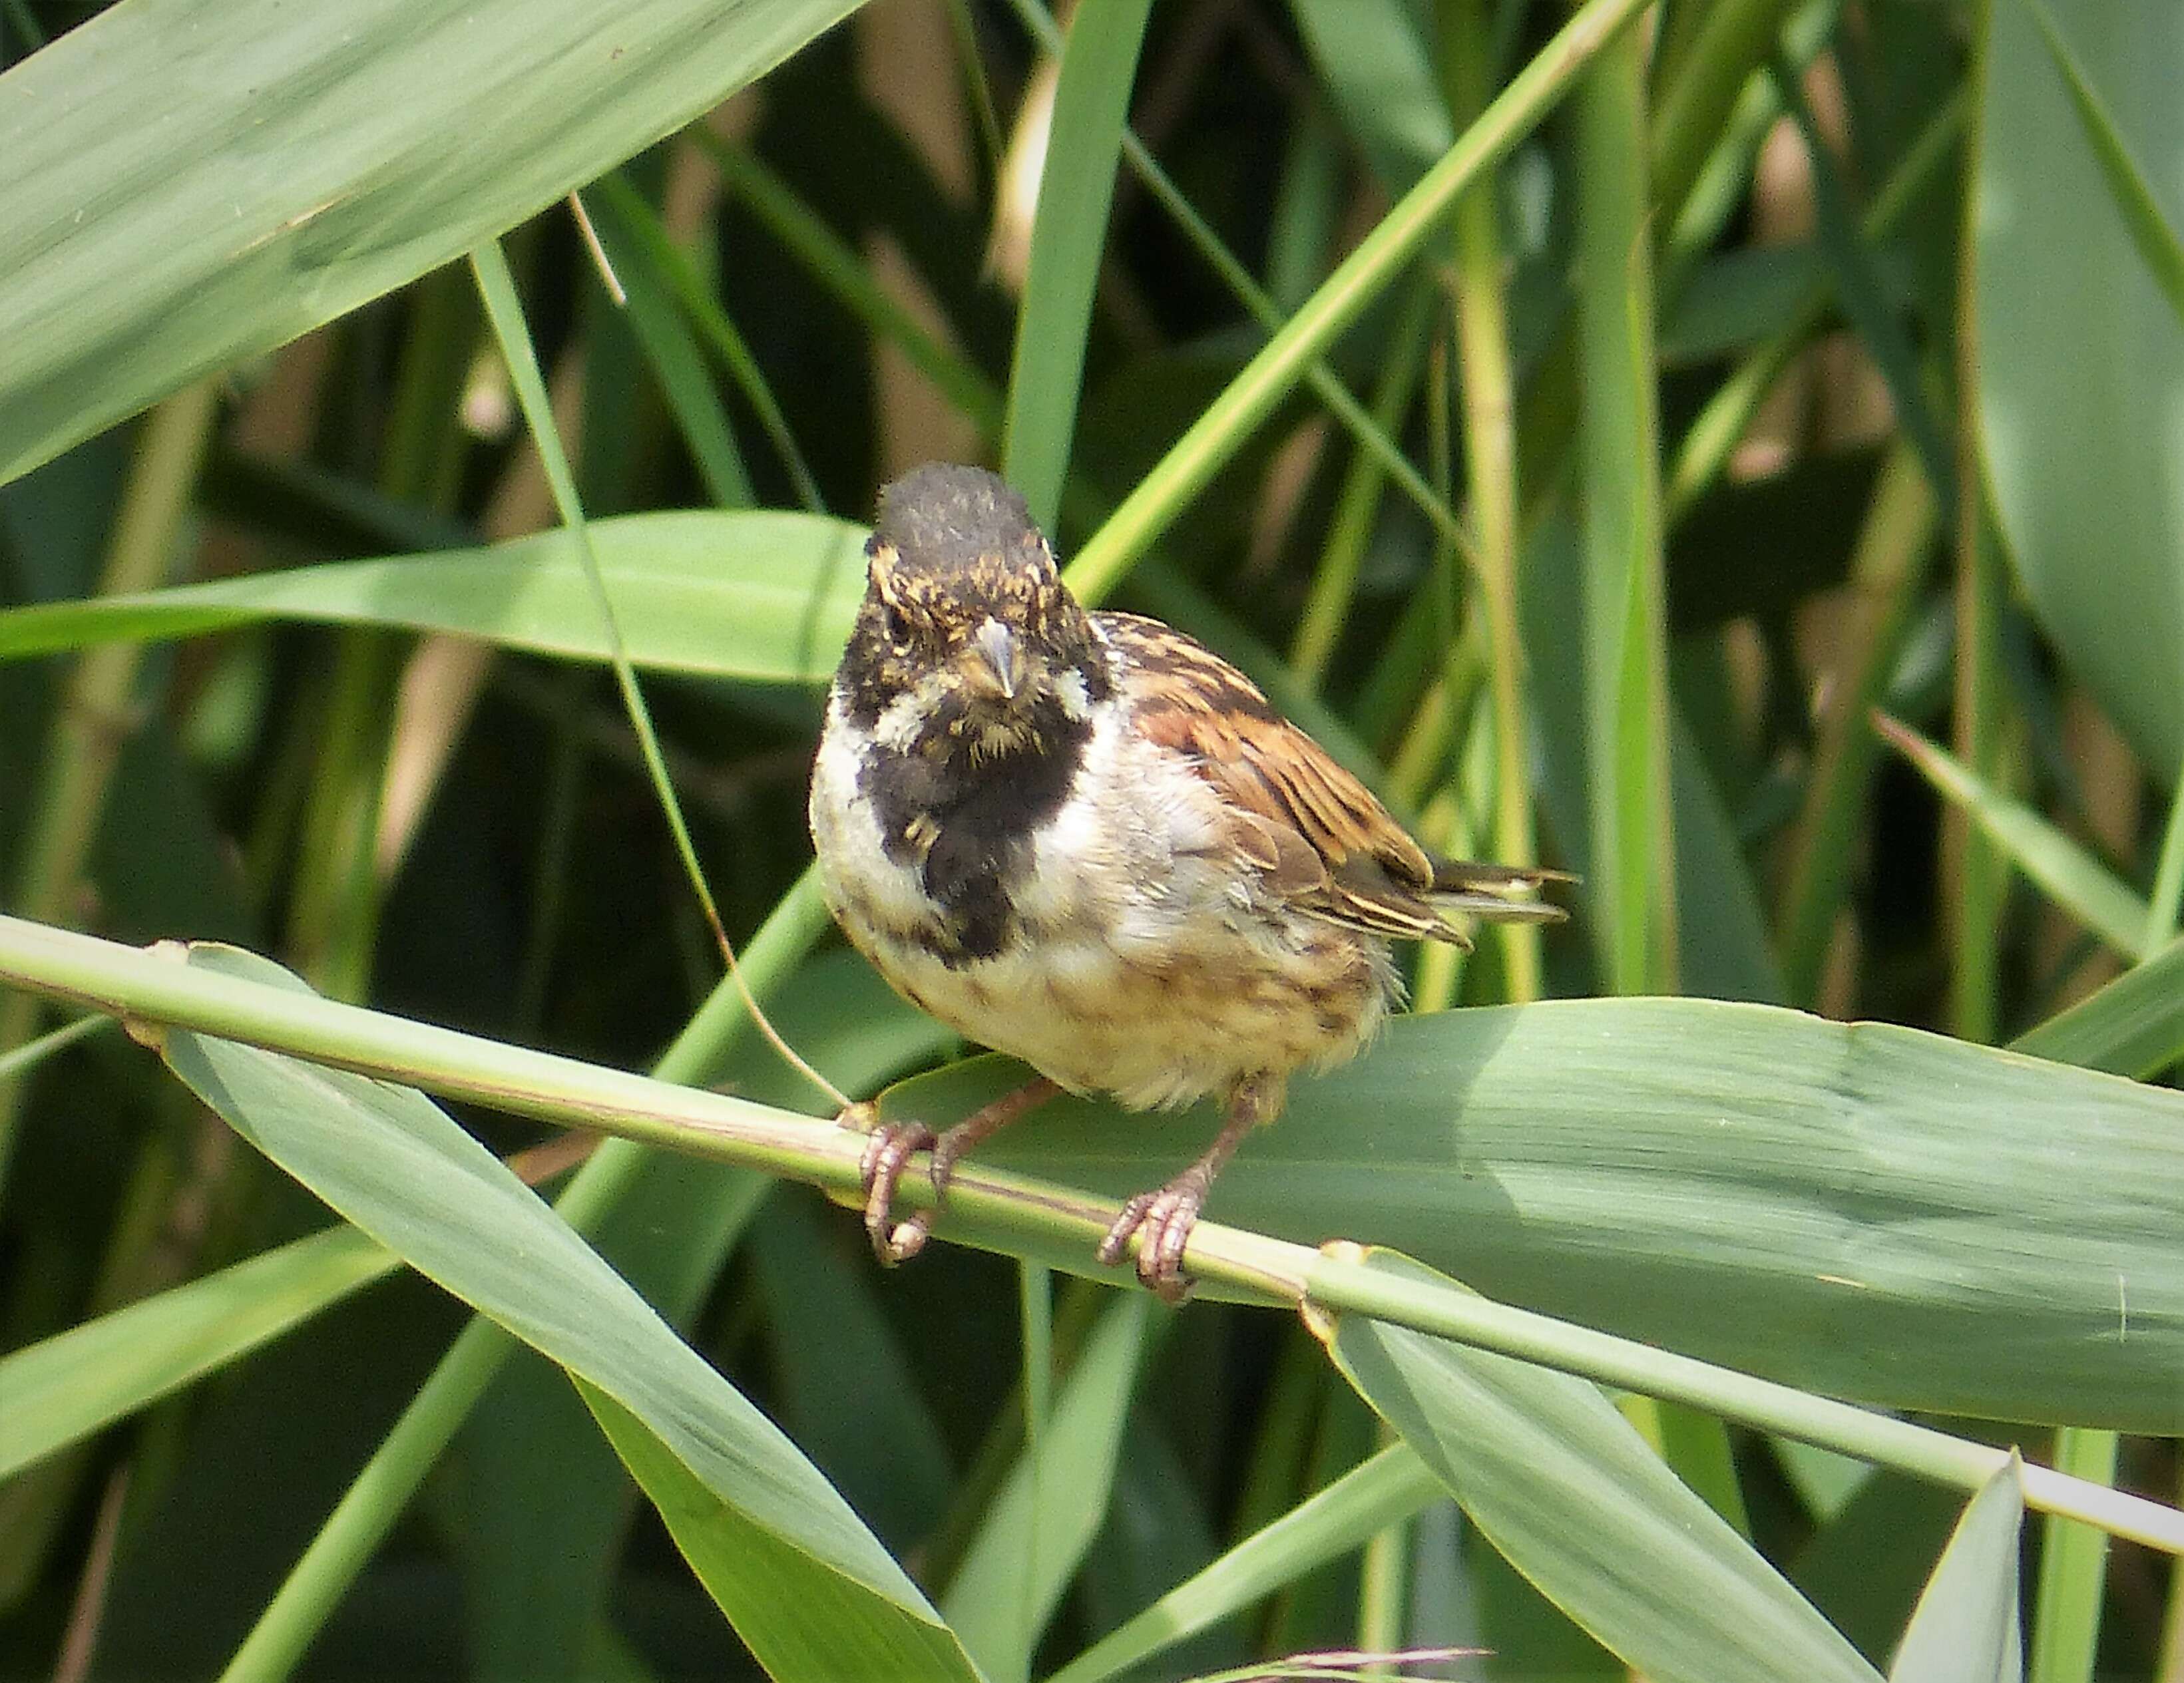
<point>1087,841</point>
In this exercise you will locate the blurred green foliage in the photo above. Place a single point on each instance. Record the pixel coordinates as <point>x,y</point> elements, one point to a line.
<point>1724,374</point>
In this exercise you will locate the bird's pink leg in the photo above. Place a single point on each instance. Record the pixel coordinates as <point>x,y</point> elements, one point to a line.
<point>1162,1220</point>
<point>887,1152</point>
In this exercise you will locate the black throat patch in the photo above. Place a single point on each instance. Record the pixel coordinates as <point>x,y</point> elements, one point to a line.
<point>969,825</point>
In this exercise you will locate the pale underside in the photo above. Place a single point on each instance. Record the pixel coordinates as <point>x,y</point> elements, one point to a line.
<point>1145,961</point>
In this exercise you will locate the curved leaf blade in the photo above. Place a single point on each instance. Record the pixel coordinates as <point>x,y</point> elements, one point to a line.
<point>2133,1026</point>
<point>1965,1627</point>
<point>2070,876</point>
<point>1567,1491</point>
<point>400,1167</point>
<point>761,595</point>
<point>189,184</point>
<point>804,1627</point>
<point>2078,404</point>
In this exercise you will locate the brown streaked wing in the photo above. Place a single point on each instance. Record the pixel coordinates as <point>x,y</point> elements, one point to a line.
<point>1284,787</point>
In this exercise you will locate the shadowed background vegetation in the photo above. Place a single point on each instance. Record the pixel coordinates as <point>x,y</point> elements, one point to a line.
<point>1725,448</point>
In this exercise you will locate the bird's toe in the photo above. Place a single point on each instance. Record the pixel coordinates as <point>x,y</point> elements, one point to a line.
<point>1161,1222</point>
<point>887,1153</point>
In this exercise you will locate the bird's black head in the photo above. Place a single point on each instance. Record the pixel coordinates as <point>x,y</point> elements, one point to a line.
<point>965,615</point>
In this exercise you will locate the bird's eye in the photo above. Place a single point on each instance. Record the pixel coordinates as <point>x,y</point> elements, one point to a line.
<point>895,627</point>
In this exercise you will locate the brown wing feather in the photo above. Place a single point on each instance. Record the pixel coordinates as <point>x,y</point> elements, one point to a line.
<point>1318,835</point>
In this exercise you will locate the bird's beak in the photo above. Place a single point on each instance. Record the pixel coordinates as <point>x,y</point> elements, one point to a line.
<point>995,666</point>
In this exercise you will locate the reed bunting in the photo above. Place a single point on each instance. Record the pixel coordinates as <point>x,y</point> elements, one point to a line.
<point>1088,841</point>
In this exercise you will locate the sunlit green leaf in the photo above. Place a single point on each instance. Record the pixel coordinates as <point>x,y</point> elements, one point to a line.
<point>1800,1198</point>
<point>1966,1629</point>
<point>748,594</point>
<point>257,169</point>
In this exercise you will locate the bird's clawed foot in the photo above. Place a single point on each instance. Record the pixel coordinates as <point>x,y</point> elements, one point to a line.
<point>888,1151</point>
<point>1162,1222</point>
<point>890,1146</point>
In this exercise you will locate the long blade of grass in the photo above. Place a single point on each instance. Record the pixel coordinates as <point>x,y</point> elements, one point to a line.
<point>2134,1027</point>
<point>1356,505</point>
<point>1024,1217</point>
<point>1035,1324</point>
<point>1631,871</point>
<point>1069,234</point>
<point>68,1386</point>
<point>1485,369</point>
<point>31,1054</point>
<point>2066,1631</point>
<point>672,351</point>
<point>1222,428</point>
<point>2164,910</point>
<point>1051,1505</point>
<point>1975,866</point>
<point>2070,876</point>
<point>642,225</point>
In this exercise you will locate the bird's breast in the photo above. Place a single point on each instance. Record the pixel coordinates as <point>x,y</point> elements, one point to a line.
<point>1114,942</point>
